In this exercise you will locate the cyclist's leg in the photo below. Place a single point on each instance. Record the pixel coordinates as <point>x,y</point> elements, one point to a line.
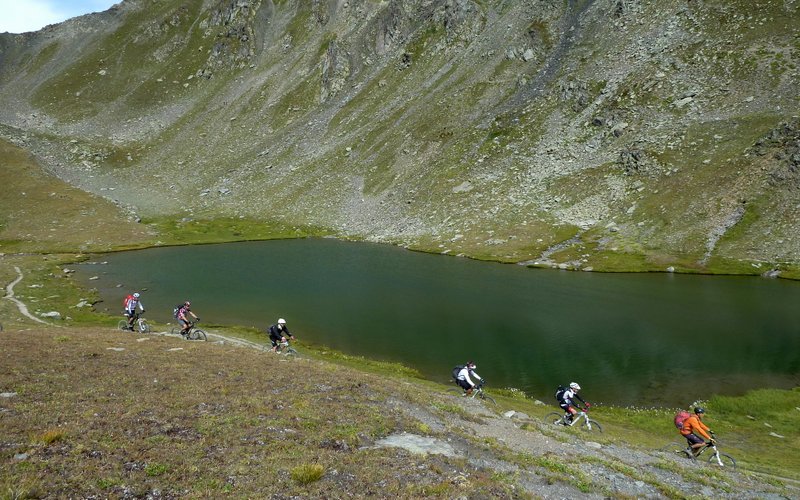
<point>274,344</point>
<point>465,387</point>
<point>129,317</point>
<point>696,443</point>
<point>569,412</point>
<point>184,326</point>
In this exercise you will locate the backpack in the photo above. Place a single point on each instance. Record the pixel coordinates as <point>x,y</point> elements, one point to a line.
<point>126,300</point>
<point>175,310</point>
<point>681,417</point>
<point>560,393</point>
<point>456,371</point>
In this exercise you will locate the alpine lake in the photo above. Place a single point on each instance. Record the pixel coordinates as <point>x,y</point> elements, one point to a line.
<point>654,339</point>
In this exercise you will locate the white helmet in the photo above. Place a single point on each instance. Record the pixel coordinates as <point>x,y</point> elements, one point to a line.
<point>136,294</point>
<point>281,321</point>
<point>575,386</point>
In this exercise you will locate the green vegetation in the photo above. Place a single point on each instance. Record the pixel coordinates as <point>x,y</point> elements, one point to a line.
<point>307,473</point>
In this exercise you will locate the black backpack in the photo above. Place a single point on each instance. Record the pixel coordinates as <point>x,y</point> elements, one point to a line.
<point>560,393</point>
<point>175,310</point>
<point>456,370</point>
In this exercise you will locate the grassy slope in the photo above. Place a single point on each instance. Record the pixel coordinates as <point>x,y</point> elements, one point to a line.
<point>40,213</point>
<point>114,414</point>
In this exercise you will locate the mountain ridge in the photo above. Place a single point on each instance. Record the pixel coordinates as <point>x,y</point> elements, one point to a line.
<point>606,134</point>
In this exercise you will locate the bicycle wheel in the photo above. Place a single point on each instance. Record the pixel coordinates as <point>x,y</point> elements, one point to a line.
<point>176,330</point>
<point>123,325</point>
<point>197,334</point>
<point>592,426</point>
<point>290,351</point>
<point>144,326</point>
<point>727,461</point>
<point>553,418</point>
<point>490,399</point>
<point>673,447</point>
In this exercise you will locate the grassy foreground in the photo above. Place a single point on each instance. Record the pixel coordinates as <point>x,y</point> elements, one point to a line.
<point>93,412</point>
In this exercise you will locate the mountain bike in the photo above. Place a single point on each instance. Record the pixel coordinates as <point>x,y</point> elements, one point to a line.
<point>716,457</point>
<point>586,423</point>
<point>140,324</point>
<point>477,392</point>
<point>194,332</point>
<point>285,349</point>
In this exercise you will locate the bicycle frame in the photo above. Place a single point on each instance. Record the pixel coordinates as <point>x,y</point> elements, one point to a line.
<point>580,415</point>
<point>715,455</point>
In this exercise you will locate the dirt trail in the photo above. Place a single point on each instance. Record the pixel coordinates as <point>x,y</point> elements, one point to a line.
<point>23,309</point>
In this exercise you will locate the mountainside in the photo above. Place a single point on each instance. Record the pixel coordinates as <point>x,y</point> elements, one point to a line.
<point>605,134</point>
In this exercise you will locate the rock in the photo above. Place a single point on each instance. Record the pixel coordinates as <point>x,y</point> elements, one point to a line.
<point>670,269</point>
<point>682,102</point>
<point>509,413</point>
<point>21,456</point>
<point>592,444</point>
<point>82,303</point>
<point>619,129</point>
<point>776,435</point>
<point>7,394</point>
<point>51,315</point>
<point>118,349</point>
<point>527,55</point>
<point>772,273</point>
<point>94,278</point>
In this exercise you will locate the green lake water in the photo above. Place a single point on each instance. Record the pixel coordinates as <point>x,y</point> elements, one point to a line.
<point>638,339</point>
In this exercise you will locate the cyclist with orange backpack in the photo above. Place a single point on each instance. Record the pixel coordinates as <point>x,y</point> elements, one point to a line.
<point>692,426</point>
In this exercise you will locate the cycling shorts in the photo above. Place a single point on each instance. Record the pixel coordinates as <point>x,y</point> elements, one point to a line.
<point>694,439</point>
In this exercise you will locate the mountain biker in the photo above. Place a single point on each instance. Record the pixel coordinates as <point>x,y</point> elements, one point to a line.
<point>464,380</point>
<point>183,319</point>
<point>131,302</point>
<point>692,426</point>
<point>566,400</point>
<point>278,333</point>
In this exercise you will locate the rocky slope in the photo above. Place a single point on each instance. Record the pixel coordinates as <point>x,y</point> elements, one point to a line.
<point>605,134</point>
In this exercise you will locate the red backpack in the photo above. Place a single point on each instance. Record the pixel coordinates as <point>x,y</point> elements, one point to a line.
<point>126,300</point>
<point>681,417</point>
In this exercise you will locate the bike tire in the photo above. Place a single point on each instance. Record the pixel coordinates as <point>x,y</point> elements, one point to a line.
<point>176,330</point>
<point>595,427</point>
<point>291,351</point>
<point>673,447</point>
<point>488,398</point>
<point>144,326</point>
<point>727,461</point>
<point>553,418</point>
<point>197,334</point>
<point>123,325</point>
